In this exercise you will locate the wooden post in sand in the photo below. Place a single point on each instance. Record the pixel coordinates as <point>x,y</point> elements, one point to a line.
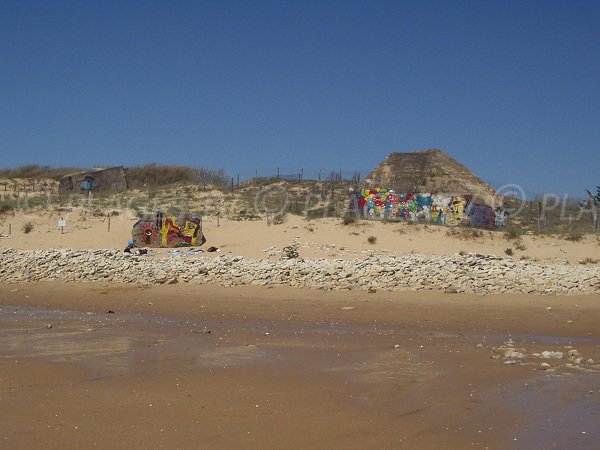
<point>570,224</point>
<point>108,222</point>
<point>9,229</point>
<point>594,205</point>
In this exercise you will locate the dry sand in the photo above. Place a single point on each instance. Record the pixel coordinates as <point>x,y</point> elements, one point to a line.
<point>319,238</point>
<point>207,367</point>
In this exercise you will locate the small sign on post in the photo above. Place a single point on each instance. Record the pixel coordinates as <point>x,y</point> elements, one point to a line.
<point>62,223</point>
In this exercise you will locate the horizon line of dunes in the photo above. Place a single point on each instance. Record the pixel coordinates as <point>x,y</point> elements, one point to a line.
<point>152,174</point>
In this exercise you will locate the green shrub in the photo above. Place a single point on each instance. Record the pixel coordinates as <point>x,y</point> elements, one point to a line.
<point>471,233</point>
<point>520,246</point>
<point>320,213</point>
<point>27,227</point>
<point>278,219</point>
<point>513,233</point>
<point>574,237</point>
<point>246,216</point>
<point>349,218</point>
<point>5,207</point>
<point>465,233</point>
<point>509,251</point>
<point>372,240</point>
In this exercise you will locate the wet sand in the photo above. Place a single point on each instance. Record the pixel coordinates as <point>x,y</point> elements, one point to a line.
<point>209,367</point>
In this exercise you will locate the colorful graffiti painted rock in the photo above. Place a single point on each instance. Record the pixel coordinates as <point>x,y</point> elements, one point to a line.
<point>160,230</point>
<point>386,203</point>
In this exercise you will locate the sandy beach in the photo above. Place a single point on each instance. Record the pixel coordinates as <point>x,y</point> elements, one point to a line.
<point>141,365</point>
<point>322,238</point>
<point>103,365</point>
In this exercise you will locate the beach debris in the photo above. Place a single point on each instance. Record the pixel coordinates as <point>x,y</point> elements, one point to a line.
<point>201,331</point>
<point>570,359</point>
<point>547,354</point>
<point>110,311</point>
<point>513,354</point>
<point>508,351</point>
<point>187,251</point>
<point>290,252</point>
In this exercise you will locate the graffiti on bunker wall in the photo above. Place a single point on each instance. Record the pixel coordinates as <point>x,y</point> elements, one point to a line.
<point>500,217</point>
<point>430,208</point>
<point>88,183</point>
<point>160,230</point>
<point>109,179</point>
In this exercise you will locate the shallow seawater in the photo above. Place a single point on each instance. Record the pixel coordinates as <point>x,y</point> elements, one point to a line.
<point>565,412</point>
<point>110,344</point>
<point>560,409</point>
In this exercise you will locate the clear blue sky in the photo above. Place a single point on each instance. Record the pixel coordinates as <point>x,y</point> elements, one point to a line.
<point>510,89</point>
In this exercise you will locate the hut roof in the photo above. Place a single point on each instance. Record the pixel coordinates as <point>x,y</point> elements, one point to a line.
<point>92,170</point>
